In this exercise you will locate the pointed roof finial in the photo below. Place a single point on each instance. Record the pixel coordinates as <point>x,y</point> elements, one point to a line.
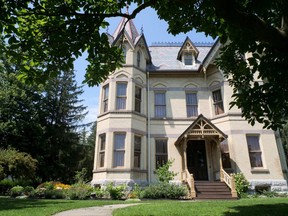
<point>127,8</point>
<point>142,31</point>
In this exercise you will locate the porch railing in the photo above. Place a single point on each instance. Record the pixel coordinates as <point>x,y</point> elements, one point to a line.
<point>229,180</point>
<point>190,182</point>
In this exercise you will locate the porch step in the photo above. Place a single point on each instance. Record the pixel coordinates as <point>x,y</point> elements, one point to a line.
<point>212,190</point>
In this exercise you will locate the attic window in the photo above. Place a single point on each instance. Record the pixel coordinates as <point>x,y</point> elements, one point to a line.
<point>188,59</point>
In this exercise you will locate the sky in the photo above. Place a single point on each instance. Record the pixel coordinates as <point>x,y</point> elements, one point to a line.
<point>154,29</point>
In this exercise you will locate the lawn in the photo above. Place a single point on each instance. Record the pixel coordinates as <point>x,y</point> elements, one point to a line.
<point>245,207</point>
<point>44,207</point>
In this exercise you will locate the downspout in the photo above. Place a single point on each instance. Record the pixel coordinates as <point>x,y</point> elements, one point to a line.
<point>148,130</point>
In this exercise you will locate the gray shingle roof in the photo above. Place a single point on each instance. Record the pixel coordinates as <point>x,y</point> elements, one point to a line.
<point>164,57</point>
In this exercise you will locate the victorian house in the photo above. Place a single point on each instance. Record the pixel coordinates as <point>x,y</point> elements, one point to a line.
<point>169,101</point>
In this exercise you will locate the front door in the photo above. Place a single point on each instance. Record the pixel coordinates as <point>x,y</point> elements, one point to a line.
<point>196,159</point>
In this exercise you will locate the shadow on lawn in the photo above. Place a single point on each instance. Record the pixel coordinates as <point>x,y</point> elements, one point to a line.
<point>279,209</point>
<point>10,203</point>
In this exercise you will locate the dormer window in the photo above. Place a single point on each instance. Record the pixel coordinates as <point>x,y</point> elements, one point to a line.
<point>188,59</point>
<point>188,53</point>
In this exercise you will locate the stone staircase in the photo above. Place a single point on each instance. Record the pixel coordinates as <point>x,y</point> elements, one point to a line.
<point>212,190</point>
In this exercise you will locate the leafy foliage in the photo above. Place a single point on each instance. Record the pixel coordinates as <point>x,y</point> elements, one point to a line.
<point>79,191</point>
<point>164,190</point>
<point>116,192</point>
<point>16,191</point>
<point>42,120</point>
<point>17,165</point>
<point>163,172</point>
<point>241,183</point>
<point>45,37</point>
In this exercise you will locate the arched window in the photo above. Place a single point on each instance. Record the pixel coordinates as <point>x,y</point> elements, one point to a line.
<point>124,52</point>
<point>138,58</point>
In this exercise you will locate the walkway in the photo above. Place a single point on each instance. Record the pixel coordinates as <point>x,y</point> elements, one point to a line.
<point>94,211</point>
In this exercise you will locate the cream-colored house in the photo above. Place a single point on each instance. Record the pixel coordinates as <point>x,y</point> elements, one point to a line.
<point>170,101</point>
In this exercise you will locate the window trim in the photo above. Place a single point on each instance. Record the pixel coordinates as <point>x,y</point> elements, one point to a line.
<point>255,151</point>
<point>216,103</point>
<point>101,149</point>
<point>137,151</point>
<point>161,154</point>
<point>186,57</point>
<point>121,96</point>
<point>138,58</point>
<point>138,100</point>
<point>191,105</point>
<point>119,150</point>
<point>105,97</point>
<point>164,106</point>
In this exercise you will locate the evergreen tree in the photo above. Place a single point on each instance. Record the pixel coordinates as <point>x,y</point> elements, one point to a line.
<point>42,120</point>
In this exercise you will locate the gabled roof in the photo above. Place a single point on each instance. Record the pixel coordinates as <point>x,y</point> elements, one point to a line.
<point>212,54</point>
<point>138,41</point>
<point>187,46</point>
<point>200,128</point>
<point>126,26</point>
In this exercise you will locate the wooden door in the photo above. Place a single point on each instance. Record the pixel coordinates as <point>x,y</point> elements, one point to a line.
<point>196,159</point>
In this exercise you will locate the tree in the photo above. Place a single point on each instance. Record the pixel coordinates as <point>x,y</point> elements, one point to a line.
<point>42,120</point>
<point>65,29</point>
<point>87,146</point>
<point>17,165</point>
<point>60,113</point>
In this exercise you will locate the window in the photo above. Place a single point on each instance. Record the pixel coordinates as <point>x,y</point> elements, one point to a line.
<point>138,58</point>
<point>137,151</point>
<point>161,152</point>
<point>121,96</point>
<point>226,163</point>
<point>138,97</point>
<point>102,149</point>
<point>218,103</point>
<point>255,153</point>
<point>105,98</point>
<point>124,53</point>
<point>119,149</point>
<point>191,104</point>
<point>160,105</point>
<point>188,59</point>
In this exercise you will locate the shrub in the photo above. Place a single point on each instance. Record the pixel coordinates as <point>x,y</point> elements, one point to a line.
<point>79,191</point>
<point>5,186</point>
<point>16,191</point>
<point>135,193</point>
<point>163,173</point>
<point>53,194</point>
<point>241,184</point>
<point>99,193</point>
<point>28,190</point>
<point>165,190</point>
<point>116,192</point>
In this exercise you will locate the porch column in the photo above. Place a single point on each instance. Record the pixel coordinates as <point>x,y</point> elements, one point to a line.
<point>220,160</point>
<point>185,155</point>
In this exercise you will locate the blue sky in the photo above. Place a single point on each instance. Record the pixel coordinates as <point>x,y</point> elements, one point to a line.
<point>155,30</point>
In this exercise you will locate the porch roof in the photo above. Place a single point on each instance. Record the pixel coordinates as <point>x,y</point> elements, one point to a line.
<point>201,127</point>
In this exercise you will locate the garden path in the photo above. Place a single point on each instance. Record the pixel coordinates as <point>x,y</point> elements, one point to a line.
<point>94,211</point>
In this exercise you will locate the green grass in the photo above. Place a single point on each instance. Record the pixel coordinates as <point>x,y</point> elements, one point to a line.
<point>44,207</point>
<point>245,207</point>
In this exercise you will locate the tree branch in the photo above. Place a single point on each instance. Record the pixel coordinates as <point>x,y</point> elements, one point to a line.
<point>228,10</point>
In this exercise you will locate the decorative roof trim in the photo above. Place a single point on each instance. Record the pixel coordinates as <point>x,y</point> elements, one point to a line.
<point>199,128</point>
<point>212,53</point>
<point>182,49</point>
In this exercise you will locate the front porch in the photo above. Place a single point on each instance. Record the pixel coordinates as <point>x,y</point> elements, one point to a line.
<point>199,147</point>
